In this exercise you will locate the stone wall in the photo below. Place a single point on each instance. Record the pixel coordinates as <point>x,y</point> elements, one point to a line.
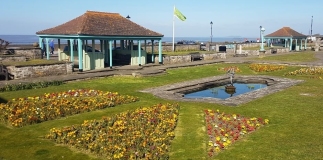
<point>31,71</point>
<point>10,58</point>
<point>28,52</point>
<point>178,47</point>
<point>188,58</point>
<point>256,52</point>
<point>196,47</point>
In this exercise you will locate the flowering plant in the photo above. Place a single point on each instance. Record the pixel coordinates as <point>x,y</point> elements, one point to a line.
<point>145,133</point>
<point>226,69</point>
<point>25,111</point>
<point>224,129</point>
<point>265,67</point>
<point>313,72</point>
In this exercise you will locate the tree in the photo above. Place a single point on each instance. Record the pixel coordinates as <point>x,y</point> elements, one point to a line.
<point>3,44</point>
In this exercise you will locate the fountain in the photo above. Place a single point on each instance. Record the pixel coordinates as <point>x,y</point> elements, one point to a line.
<point>230,88</point>
<point>217,89</point>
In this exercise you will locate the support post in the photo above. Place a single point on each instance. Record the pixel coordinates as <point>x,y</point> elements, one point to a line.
<point>152,52</point>
<point>160,52</point>
<point>110,53</point>
<point>71,44</point>
<point>47,48</point>
<point>80,53</point>
<point>139,52</point>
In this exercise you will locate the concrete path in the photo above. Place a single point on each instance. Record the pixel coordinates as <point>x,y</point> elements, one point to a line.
<point>153,69</point>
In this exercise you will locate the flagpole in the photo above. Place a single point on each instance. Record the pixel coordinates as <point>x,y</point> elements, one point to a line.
<point>173,30</point>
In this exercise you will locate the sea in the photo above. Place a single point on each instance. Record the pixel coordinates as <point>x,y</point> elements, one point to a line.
<point>30,39</point>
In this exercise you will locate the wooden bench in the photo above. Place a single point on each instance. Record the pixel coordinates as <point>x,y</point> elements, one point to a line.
<point>4,71</point>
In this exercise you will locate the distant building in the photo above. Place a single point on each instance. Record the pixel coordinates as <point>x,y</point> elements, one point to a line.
<point>288,38</point>
<point>314,37</point>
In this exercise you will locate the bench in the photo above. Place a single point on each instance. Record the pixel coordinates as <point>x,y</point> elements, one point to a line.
<point>4,71</point>
<point>273,50</point>
<point>196,56</point>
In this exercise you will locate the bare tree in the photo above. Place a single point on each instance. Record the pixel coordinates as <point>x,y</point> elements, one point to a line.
<point>3,44</point>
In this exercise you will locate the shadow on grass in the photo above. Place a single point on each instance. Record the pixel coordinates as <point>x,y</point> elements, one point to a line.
<point>3,101</point>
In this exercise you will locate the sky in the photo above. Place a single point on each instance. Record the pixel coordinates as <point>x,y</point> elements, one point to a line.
<point>232,18</point>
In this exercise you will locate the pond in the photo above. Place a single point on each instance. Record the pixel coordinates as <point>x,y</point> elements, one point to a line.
<point>220,92</point>
<point>180,91</point>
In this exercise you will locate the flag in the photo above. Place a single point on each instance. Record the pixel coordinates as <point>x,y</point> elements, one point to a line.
<point>179,15</point>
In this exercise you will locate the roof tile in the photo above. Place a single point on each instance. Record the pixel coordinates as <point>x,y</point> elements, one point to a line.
<point>285,32</point>
<point>100,24</point>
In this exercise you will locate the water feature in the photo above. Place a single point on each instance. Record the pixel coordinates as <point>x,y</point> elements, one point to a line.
<point>222,93</point>
<point>270,85</point>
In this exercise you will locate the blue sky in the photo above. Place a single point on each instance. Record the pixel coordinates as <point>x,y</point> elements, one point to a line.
<point>230,18</point>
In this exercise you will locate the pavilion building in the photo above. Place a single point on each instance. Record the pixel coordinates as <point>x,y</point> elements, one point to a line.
<point>288,38</point>
<point>115,34</point>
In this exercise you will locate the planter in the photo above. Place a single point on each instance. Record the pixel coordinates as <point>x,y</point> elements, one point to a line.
<point>35,44</point>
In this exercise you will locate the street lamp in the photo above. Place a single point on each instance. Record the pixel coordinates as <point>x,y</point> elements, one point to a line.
<point>262,30</point>
<point>211,23</point>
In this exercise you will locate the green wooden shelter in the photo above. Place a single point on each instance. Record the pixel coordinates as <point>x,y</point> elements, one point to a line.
<point>115,35</point>
<point>287,37</point>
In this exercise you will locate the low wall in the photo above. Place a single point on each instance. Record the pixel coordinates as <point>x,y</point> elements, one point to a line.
<point>188,58</point>
<point>28,52</point>
<point>32,71</point>
<point>177,47</point>
<point>12,58</point>
<point>256,52</point>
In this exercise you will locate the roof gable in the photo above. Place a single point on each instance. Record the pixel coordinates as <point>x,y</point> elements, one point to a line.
<point>286,32</point>
<point>100,24</point>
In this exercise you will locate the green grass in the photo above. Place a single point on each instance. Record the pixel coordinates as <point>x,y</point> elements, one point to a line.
<point>308,56</point>
<point>180,53</point>
<point>295,130</point>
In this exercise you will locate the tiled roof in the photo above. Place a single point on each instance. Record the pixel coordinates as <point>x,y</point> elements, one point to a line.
<point>100,24</point>
<point>286,32</point>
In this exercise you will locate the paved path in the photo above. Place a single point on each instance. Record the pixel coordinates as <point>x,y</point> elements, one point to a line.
<point>152,69</point>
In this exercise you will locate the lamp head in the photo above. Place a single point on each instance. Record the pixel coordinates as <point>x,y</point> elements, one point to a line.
<point>262,29</point>
<point>128,17</point>
<point>211,23</point>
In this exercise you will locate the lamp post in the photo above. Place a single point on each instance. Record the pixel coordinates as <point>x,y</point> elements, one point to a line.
<point>311,27</point>
<point>211,23</point>
<point>262,30</point>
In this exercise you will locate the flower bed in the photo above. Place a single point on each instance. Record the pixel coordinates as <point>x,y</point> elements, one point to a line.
<point>312,72</point>
<point>25,111</point>
<point>224,129</point>
<point>226,69</point>
<point>145,133</point>
<point>265,67</point>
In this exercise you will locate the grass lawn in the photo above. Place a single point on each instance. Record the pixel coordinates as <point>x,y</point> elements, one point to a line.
<point>179,53</point>
<point>307,56</point>
<point>295,130</point>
